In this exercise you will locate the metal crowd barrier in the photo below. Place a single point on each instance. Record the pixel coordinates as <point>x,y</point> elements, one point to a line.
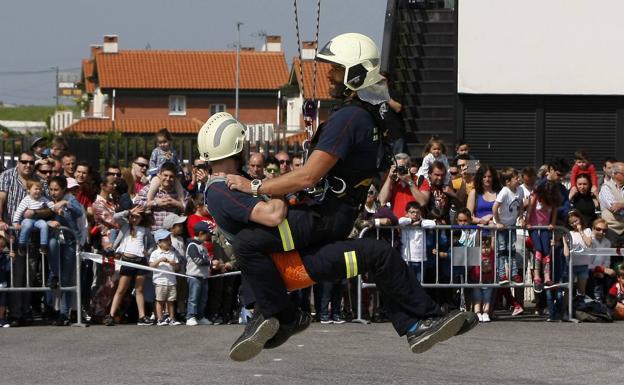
<point>468,257</point>
<point>34,255</point>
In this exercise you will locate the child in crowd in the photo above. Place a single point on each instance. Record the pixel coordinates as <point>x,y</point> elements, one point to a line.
<point>600,274</point>
<point>133,243</point>
<point>164,258</point>
<point>555,295</point>
<point>542,212</point>
<point>5,276</point>
<point>468,237</point>
<point>33,201</point>
<point>198,267</point>
<point>462,148</point>
<point>482,296</point>
<point>582,166</point>
<point>615,298</point>
<point>581,239</point>
<point>164,152</point>
<point>176,225</point>
<point>413,238</point>
<point>434,151</point>
<point>508,210</point>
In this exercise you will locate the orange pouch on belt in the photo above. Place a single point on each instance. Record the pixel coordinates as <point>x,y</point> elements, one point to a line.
<point>291,269</point>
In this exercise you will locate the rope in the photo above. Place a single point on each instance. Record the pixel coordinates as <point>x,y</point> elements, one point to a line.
<point>299,49</point>
<point>318,20</point>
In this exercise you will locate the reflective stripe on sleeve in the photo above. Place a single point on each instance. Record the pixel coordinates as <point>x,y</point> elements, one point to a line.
<point>351,264</point>
<point>287,241</point>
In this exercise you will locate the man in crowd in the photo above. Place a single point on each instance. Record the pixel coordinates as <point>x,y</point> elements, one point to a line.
<point>139,173</point>
<point>401,187</point>
<point>86,193</point>
<point>255,166</point>
<point>166,200</point>
<point>12,190</point>
<point>296,162</point>
<point>69,164</point>
<point>284,162</point>
<point>612,204</point>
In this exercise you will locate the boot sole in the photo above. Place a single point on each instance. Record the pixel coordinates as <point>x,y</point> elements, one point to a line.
<point>470,321</point>
<point>253,345</point>
<point>446,331</point>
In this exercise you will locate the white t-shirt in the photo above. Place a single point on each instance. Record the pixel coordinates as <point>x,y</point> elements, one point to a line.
<point>577,243</point>
<point>163,278</point>
<point>134,245</point>
<point>510,203</point>
<point>413,240</point>
<point>600,260</point>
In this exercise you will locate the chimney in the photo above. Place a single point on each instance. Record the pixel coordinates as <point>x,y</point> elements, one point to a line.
<point>273,44</point>
<point>110,44</point>
<point>95,49</point>
<point>308,50</point>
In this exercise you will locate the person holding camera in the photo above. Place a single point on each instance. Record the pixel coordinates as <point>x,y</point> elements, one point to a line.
<point>198,173</point>
<point>401,187</point>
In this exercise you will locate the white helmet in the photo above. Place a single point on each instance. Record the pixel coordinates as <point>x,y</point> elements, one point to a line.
<point>358,54</point>
<point>221,136</point>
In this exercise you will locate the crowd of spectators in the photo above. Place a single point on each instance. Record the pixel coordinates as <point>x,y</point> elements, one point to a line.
<point>152,215</point>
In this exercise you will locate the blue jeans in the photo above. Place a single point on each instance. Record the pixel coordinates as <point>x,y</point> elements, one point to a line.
<point>27,226</point>
<point>197,297</point>
<point>505,239</point>
<point>417,269</point>
<point>62,262</point>
<point>482,294</point>
<point>331,292</point>
<point>555,302</point>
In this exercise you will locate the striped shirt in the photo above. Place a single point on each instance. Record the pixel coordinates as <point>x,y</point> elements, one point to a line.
<point>11,184</point>
<point>28,203</point>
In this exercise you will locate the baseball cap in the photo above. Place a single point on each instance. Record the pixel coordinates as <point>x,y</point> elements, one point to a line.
<point>172,219</point>
<point>161,234</point>
<point>201,226</point>
<point>37,141</point>
<point>71,183</point>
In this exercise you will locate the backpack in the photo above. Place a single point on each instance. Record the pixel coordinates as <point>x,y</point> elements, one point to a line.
<point>590,310</point>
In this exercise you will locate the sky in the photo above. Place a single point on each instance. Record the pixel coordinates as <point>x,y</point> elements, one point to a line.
<point>36,35</point>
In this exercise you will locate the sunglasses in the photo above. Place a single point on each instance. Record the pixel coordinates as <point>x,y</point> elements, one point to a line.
<point>46,172</point>
<point>29,162</point>
<point>163,141</point>
<point>142,165</point>
<point>602,230</point>
<point>272,171</point>
<point>117,174</point>
<point>284,161</point>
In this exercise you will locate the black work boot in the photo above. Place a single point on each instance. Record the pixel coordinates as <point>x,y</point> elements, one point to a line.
<point>257,332</point>
<point>285,331</point>
<point>433,330</point>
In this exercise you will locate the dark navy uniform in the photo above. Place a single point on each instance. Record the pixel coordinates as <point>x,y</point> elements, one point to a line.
<point>404,298</point>
<point>351,134</point>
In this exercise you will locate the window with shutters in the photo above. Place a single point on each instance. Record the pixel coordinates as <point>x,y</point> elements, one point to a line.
<point>177,105</point>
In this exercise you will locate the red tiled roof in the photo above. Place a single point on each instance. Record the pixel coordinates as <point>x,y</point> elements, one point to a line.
<point>136,126</point>
<point>87,75</point>
<point>322,82</point>
<point>191,70</point>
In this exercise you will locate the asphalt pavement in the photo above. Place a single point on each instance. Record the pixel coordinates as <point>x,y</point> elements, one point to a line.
<point>503,352</point>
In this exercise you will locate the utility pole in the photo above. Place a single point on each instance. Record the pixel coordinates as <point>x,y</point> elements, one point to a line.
<point>56,95</point>
<point>238,43</point>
